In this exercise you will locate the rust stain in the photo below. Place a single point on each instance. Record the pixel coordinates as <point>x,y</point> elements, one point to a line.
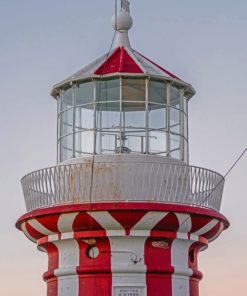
<point>90,241</point>
<point>160,244</point>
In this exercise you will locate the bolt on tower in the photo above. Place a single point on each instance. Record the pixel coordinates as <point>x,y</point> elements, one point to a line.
<point>122,213</point>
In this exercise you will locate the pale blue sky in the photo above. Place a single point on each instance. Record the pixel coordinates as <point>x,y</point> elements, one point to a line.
<point>43,42</point>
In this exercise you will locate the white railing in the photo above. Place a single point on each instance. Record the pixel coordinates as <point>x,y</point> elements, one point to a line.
<point>123,181</point>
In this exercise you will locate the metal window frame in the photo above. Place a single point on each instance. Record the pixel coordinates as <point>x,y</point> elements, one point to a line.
<point>97,128</point>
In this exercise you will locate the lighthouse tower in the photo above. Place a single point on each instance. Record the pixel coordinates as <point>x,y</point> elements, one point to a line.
<point>122,213</point>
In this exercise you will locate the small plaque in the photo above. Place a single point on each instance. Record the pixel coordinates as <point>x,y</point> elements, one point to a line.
<point>128,291</point>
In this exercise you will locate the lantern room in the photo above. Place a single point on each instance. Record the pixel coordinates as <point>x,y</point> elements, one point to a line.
<point>123,103</point>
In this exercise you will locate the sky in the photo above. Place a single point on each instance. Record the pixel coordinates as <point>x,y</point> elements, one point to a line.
<point>43,42</point>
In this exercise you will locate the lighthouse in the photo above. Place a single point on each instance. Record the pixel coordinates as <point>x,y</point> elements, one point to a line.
<point>122,213</point>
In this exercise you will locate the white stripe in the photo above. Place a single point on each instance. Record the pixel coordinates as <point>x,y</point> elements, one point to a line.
<point>132,55</point>
<point>68,253</point>
<point>148,66</point>
<point>39,227</point>
<point>53,237</point>
<point>68,284</point>
<point>65,222</point>
<point>179,260</point>
<point>127,262</point>
<point>107,221</point>
<point>218,233</point>
<point>148,221</point>
<point>207,227</point>
<point>184,222</point>
<point>127,252</point>
<point>24,229</point>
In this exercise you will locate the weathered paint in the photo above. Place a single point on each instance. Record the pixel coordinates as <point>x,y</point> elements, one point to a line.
<point>142,249</point>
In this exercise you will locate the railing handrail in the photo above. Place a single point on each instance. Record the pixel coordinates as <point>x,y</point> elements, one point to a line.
<point>153,181</point>
<point>81,163</point>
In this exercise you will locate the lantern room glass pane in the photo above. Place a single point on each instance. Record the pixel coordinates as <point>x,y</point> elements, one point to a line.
<point>66,122</point>
<point>84,117</point>
<point>84,142</point>
<point>133,89</point>
<point>157,92</point>
<point>133,141</point>
<point>84,93</point>
<point>133,115</point>
<point>157,142</point>
<point>175,154</point>
<point>67,98</point>
<point>157,116</point>
<point>107,141</point>
<point>175,97</point>
<point>108,115</point>
<point>66,146</point>
<point>175,142</point>
<point>107,90</point>
<point>175,120</point>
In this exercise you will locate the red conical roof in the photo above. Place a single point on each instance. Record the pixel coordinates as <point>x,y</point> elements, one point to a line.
<point>119,61</point>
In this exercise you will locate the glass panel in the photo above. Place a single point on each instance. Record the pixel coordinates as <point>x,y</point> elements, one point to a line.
<point>84,93</point>
<point>108,115</point>
<point>175,142</point>
<point>175,154</point>
<point>175,120</point>
<point>66,147</point>
<point>67,98</point>
<point>133,89</point>
<point>133,141</point>
<point>66,122</point>
<point>133,115</point>
<point>157,92</point>
<point>157,141</point>
<point>175,97</point>
<point>107,141</point>
<point>84,117</point>
<point>84,142</point>
<point>107,90</point>
<point>157,116</point>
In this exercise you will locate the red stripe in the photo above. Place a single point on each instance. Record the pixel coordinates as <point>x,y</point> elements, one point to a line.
<point>118,62</point>
<point>50,222</point>
<point>52,288</point>
<point>159,269</point>
<point>168,223</point>
<point>49,277</point>
<point>84,221</point>
<point>128,219</point>
<point>95,274</point>
<point>115,206</point>
<point>199,222</point>
<point>193,264</point>
<point>212,232</point>
<point>32,231</point>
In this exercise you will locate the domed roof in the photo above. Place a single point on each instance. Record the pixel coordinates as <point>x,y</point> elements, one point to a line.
<point>122,60</point>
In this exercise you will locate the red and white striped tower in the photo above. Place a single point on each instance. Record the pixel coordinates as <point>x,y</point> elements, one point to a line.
<point>122,213</point>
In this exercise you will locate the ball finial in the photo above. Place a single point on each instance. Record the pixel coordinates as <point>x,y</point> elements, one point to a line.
<point>123,22</point>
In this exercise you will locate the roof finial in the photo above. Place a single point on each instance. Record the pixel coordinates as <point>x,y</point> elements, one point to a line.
<point>122,23</point>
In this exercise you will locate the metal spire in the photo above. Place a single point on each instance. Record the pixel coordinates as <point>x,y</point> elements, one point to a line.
<point>122,23</point>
